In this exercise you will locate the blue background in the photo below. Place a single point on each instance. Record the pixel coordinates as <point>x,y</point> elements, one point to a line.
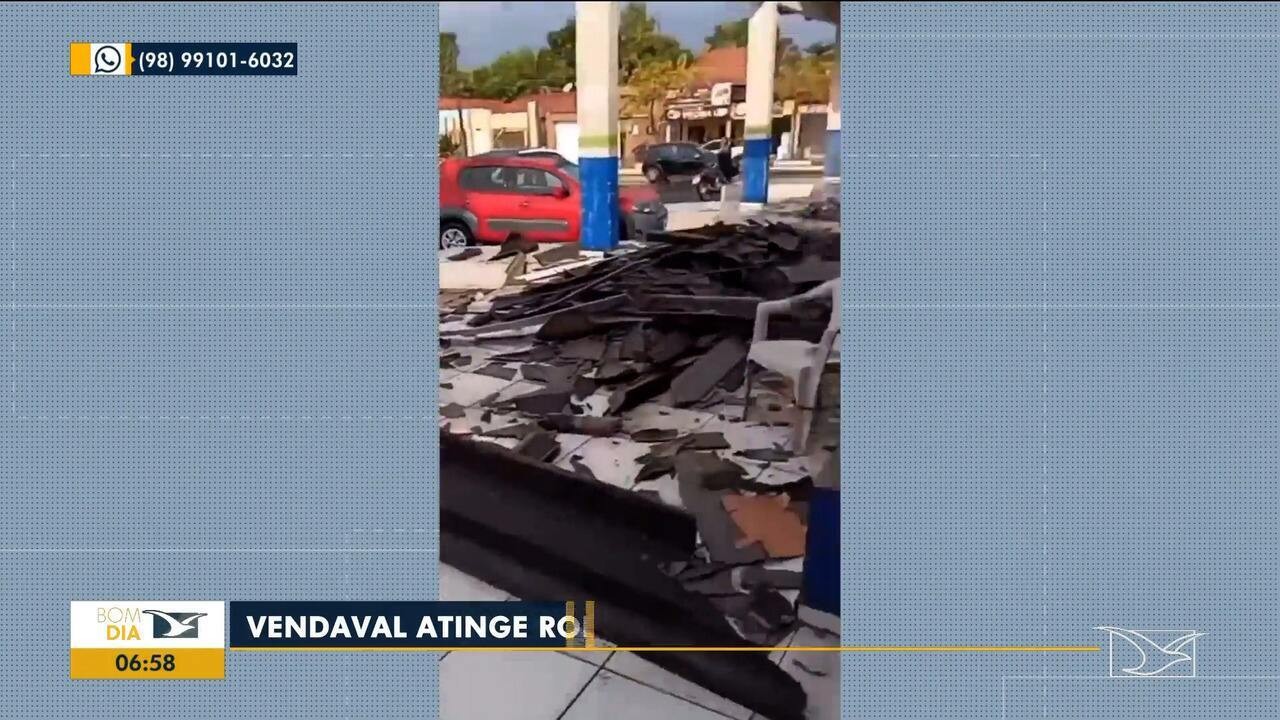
<point>217,322</point>
<point>1061,387</point>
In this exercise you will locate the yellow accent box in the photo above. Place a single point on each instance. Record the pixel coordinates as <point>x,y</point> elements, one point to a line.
<point>148,664</point>
<point>79,58</point>
<point>82,62</point>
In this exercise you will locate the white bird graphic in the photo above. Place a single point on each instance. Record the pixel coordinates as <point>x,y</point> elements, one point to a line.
<point>1165,656</point>
<point>176,627</point>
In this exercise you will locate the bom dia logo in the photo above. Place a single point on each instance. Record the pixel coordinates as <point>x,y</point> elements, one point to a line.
<point>141,639</point>
<point>122,623</point>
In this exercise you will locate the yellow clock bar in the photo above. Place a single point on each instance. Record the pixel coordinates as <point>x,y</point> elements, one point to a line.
<point>148,663</point>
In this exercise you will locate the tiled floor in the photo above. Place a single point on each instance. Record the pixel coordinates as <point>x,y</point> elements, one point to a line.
<point>613,685</point>
<point>612,459</point>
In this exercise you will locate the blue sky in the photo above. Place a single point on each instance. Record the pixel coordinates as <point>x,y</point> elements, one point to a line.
<point>488,29</point>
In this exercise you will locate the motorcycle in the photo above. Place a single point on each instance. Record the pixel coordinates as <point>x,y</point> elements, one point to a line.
<point>707,183</point>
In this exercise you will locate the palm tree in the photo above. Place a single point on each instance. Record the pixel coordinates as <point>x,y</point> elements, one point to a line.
<point>804,80</point>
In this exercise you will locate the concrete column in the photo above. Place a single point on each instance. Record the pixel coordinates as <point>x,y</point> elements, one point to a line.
<point>831,150</point>
<point>597,82</point>
<point>762,39</point>
<point>481,137</point>
<point>531,122</point>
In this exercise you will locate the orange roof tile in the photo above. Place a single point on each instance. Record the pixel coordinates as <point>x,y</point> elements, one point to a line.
<point>722,65</point>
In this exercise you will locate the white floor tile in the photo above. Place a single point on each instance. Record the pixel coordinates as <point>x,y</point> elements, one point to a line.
<point>473,417</point>
<point>516,389</point>
<point>643,671</point>
<point>595,657</point>
<point>650,415</point>
<point>823,690</point>
<point>777,475</point>
<point>505,686</point>
<point>614,697</point>
<point>611,460</point>
<point>572,444</point>
<point>457,585</point>
<point>469,389</point>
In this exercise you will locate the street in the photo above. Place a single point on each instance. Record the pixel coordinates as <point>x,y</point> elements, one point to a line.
<point>681,191</point>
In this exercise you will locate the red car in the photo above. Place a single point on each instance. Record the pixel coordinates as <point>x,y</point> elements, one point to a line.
<point>485,199</point>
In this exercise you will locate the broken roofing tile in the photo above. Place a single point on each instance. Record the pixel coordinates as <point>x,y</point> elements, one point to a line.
<point>518,430</point>
<point>539,446</point>
<point>705,441</point>
<point>692,384</point>
<point>755,575</point>
<point>587,348</point>
<point>812,270</point>
<point>766,454</point>
<point>707,470</point>
<point>501,372</point>
<point>653,435</point>
<point>514,244</point>
<point>766,519</point>
<point>464,254</point>
<point>580,467</point>
<point>719,583</point>
<point>616,371</point>
<point>653,469</point>
<point>452,411</point>
<point>560,253</point>
<point>581,424</point>
<point>632,345</point>
<point>771,609</point>
<point>546,374</point>
<point>540,402</point>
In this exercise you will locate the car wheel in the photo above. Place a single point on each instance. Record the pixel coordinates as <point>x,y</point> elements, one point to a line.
<point>653,175</point>
<point>454,236</point>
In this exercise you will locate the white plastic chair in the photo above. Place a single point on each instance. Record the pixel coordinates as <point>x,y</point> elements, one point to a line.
<point>799,361</point>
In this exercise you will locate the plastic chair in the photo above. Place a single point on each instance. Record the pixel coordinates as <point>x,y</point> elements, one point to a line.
<point>799,361</point>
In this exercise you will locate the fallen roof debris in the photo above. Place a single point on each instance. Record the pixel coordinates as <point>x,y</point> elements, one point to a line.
<point>668,323</point>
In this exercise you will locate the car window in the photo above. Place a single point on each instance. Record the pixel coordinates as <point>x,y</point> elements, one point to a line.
<point>534,181</point>
<point>667,152</point>
<point>483,177</point>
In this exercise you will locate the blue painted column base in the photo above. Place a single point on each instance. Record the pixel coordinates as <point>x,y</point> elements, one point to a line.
<point>821,583</point>
<point>831,154</point>
<point>599,203</point>
<point>755,170</point>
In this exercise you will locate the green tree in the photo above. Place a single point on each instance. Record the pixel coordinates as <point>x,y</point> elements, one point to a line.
<point>519,72</point>
<point>651,83</point>
<point>453,82</point>
<point>728,34</point>
<point>640,42</point>
<point>563,43</point>
<point>806,79</point>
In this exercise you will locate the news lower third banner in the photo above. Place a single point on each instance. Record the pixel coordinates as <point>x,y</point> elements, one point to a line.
<point>411,625</point>
<point>159,59</point>
<point>187,639</point>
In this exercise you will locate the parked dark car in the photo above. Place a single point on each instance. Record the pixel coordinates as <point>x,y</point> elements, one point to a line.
<point>668,160</point>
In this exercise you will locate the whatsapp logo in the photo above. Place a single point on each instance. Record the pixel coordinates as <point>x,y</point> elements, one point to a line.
<point>106,60</point>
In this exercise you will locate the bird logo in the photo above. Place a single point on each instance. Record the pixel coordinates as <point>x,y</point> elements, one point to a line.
<point>1167,656</point>
<point>177,625</point>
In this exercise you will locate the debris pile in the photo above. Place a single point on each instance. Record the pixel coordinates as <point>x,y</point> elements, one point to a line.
<point>668,323</point>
